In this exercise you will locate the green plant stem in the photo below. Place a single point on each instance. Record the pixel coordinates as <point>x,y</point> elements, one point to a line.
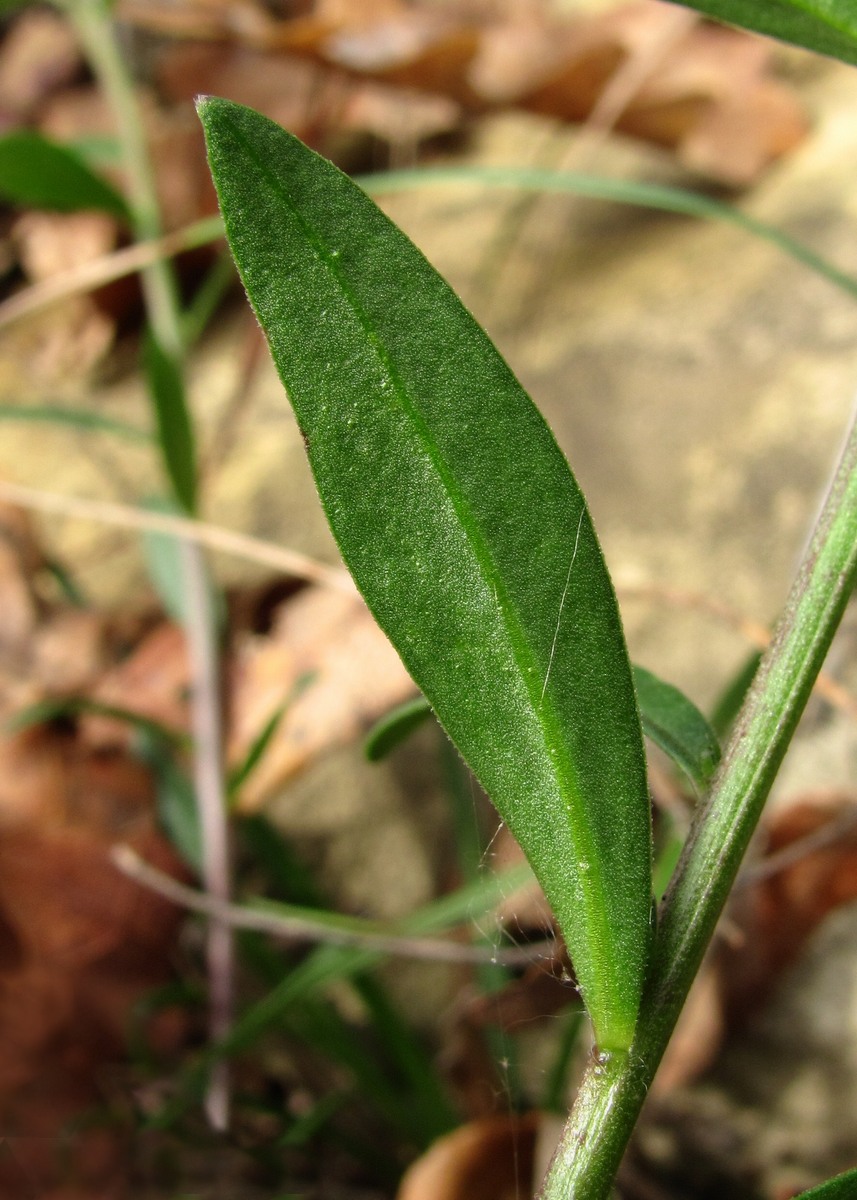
<point>614,1087</point>
<point>94,25</point>
<point>93,22</point>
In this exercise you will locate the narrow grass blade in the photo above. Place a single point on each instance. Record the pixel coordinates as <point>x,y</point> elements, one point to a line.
<point>176,804</point>
<point>38,173</point>
<point>74,418</point>
<point>174,426</point>
<point>64,707</point>
<point>676,725</point>
<point>658,197</point>
<point>463,527</point>
<point>394,727</point>
<point>163,555</point>
<point>328,964</point>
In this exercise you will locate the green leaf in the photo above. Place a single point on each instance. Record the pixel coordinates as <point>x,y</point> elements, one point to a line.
<point>464,529</point>
<point>176,805</point>
<point>38,173</point>
<point>239,775</point>
<point>828,26</point>
<point>676,725</point>
<point>174,425</point>
<point>841,1187</point>
<point>76,418</point>
<point>67,707</point>
<point>394,727</point>
<point>668,718</point>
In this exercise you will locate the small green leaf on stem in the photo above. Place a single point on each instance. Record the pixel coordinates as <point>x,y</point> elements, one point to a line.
<point>464,529</point>
<point>38,173</point>
<point>677,726</point>
<point>394,727</point>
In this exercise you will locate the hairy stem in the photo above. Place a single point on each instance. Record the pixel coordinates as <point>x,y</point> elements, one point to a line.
<point>614,1088</point>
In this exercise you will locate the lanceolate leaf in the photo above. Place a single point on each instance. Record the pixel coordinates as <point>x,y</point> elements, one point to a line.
<point>465,530</point>
<point>841,1187</point>
<point>672,721</point>
<point>39,173</point>
<point>829,26</point>
<point>676,725</point>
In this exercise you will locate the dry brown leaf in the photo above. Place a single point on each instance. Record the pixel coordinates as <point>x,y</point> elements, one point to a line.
<point>710,96</point>
<point>152,682</point>
<point>76,335</point>
<point>425,50</point>
<point>20,558</point>
<point>294,92</point>
<point>51,243</point>
<point>351,673</point>
<point>80,944</point>
<point>777,913</point>
<point>43,652</point>
<point>38,54</point>
<point>489,1159</point>
<point>770,919</point>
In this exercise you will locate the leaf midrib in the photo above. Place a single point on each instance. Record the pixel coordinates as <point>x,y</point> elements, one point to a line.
<point>543,708</point>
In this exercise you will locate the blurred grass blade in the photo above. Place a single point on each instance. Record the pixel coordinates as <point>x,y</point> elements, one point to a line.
<point>428,1100</point>
<point>328,964</point>
<point>841,1187</point>
<point>828,26</point>
<point>658,197</point>
<point>239,775</point>
<point>75,418</point>
<point>64,707</point>
<point>178,812</point>
<point>464,529</point>
<point>394,727</point>
<point>38,173</point>
<point>174,426</point>
<point>304,1128</point>
<point>677,726</point>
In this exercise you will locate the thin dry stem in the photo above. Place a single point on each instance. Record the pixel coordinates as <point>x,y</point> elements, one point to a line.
<point>297,928</point>
<point>242,545</point>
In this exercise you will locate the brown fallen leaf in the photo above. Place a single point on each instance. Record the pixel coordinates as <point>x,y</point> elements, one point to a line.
<point>809,868</point>
<point>712,96</point>
<point>73,337</point>
<point>152,681</point>
<point>489,1159</point>
<point>80,944</point>
<point>326,659</point>
<point>38,54</point>
<point>778,910</point>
